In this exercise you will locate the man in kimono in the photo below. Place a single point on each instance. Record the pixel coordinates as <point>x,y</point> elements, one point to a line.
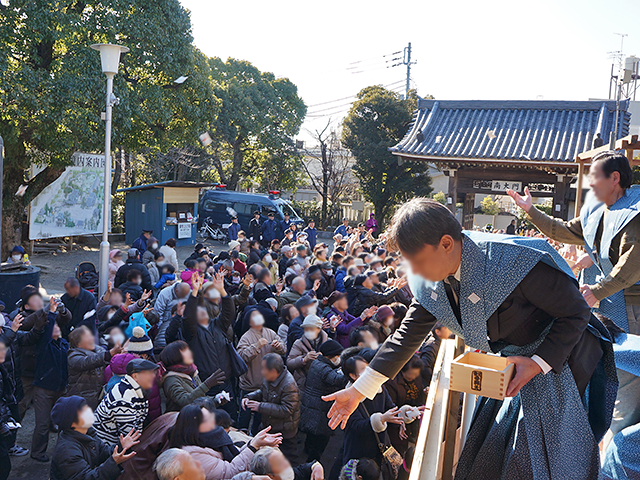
<point>515,296</point>
<point>609,229</point>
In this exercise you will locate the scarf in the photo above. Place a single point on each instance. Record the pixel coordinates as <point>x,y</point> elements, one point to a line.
<point>220,441</point>
<point>190,370</point>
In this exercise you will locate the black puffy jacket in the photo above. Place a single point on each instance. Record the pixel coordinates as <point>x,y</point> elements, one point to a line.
<point>83,457</point>
<point>323,379</point>
<point>365,298</point>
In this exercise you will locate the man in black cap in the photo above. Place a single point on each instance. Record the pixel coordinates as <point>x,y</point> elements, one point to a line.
<point>284,225</point>
<point>269,230</point>
<point>126,406</point>
<point>79,453</point>
<point>255,226</point>
<point>140,243</point>
<point>234,228</point>
<point>133,261</point>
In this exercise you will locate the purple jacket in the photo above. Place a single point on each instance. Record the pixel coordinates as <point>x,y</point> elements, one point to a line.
<point>344,328</point>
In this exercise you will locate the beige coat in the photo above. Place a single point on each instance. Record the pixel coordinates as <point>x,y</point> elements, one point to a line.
<point>252,355</point>
<point>295,360</point>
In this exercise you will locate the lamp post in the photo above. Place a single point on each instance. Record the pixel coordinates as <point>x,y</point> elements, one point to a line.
<point>110,58</point>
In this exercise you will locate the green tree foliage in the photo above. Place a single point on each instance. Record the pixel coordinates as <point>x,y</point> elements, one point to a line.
<point>440,197</point>
<point>489,206</point>
<point>259,116</point>
<point>52,87</point>
<point>378,119</point>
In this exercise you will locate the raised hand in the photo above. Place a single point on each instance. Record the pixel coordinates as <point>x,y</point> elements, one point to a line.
<point>127,301</point>
<point>218,283</point>
<point>132,438</point>
<point>145,295</point>
<point>247,280</point>
<point>369,312</point>
<point>345,403</point>
<point>279,286</point>
<point>17,322</point>
<point>316,285</point>
<point>53,304</point>
<point>524,202</point>
<point>116,350</point>
<point>120,457</point>
<point>216,378</point>
<point>196,283</point>
<point>392,416</point>
<point>317,472</point>
<point>265,439</point>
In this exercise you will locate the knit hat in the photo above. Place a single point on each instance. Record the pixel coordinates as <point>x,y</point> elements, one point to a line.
<point>350,470</point>
<point>114,252</point>
<point>384,312</point>
<point>65,411</point>
<point>139,342</point>
<point>305,300</point>
<point>286,249</point>
<point>312,321</point>
<point>233,244</point>
<point>140,365</point>
<point>313,269</point>
<point>360,280</point>
<point>28,292</point>
<point>335,296</point>
<point>331,348</point>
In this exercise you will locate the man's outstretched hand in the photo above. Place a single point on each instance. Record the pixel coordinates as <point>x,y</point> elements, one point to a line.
<point>345,403</point>
<point>525,201</point>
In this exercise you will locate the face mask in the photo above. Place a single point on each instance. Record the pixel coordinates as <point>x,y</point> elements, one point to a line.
<point>268,259</point>
<point>110,315</point>
<point>118,338</point>
<point>388,322</point>
<point>154,246</point>
<point>287,474</point>
<point>311,334</point>
<point>374,345</point>
<point>336,361</point>
<point>257,320</point>
<point>312,310</point>
<point>235,279</point>
<point>213,294</point>
<point>160,264</point>
<point>138,281</point>
<point>16,258</point>
<point>378,268</point>
<point>329,273</point>
<point>297,268</point>
<point>2,321</point>
<point>87,418</point>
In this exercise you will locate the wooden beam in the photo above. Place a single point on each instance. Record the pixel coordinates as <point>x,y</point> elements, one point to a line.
<point>453,413</point>
<point>488,161</point>
<point>576,211</point>
<point>624,143</point>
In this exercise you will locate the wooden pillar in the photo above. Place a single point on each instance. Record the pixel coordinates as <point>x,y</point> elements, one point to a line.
<point>578,206</point>
<point>453,190</point>
<point>559,198</point>
<point>467,212</point>
<point>453,409</point>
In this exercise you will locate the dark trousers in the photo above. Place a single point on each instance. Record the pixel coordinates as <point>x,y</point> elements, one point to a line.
<point>244,417</point>
<point>315,445</point>
<point>289,448</point>
<point>27,400</point>
<point>43,402</point>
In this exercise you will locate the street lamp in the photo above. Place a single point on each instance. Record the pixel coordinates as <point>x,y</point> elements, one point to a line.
<point>110,57</point>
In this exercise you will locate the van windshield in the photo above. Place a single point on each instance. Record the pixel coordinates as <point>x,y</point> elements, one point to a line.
<point>288,210</point>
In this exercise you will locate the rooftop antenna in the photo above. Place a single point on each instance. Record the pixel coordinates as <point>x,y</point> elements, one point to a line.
<point>617,56</point>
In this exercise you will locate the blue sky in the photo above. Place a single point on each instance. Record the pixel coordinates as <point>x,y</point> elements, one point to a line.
<point>465,49</point>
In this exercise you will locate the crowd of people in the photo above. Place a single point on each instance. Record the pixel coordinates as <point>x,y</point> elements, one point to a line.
<point>216,368</point>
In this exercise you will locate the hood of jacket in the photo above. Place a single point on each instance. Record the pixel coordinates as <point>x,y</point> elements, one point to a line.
<point>119,363</point>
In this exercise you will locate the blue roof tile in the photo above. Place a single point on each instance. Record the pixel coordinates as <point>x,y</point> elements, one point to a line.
<point>555,131</point>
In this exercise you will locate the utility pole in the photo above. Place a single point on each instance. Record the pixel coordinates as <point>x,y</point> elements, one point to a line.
<point>407,61</point>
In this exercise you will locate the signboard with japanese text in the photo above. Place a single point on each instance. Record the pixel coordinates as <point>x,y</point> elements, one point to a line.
<point>72,204</point>
<point>504,185</point>
<point>184,230</point>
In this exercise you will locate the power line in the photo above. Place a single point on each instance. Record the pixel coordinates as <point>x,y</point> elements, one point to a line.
<point>345,98</point>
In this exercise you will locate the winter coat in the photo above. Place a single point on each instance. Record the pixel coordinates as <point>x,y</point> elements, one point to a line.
<point>16,342</point>
<point>133,263</point>
<point>323,378</point>
<point>254,257</point>
<point>154,273</point>
<point>341,273</point>
<point>269,231</point>
<point>312,236</point>
<point>140,244</point>
<point>8,402</point>
<point>149,255</point>
<point>154,441</point>
<point>271,320</point>
<point>38,320</point>
<point>167,298</point>
<point>344,328</point>
<point>254,229</point>
<point>359,437</point>
<point>133,289</point>
<point>284,226</point>
<point>215,467</point>
<point>83,457</point>
<point>428,353</point>
<point>51,359</point>
<point>181,389</point>
<point>245,246</point>
<point>295,360</point>
<point>86,372</point>
<point>78,306</point>
<point>252,355</point>
<point>117,369</point>
<point>233,230</point>
<point>279,404</point>
<point>121,410</point>
<point>209,344</point>
<point>365,298</point>
<point>113,269</point>
<point>170,255</point>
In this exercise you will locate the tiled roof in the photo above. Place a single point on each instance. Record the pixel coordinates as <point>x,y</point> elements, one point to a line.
<point>555,131</point>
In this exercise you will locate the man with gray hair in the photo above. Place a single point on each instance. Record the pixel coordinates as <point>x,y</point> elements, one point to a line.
<point>177,464</point>
<point>295,291</point>
<point>271,463</point>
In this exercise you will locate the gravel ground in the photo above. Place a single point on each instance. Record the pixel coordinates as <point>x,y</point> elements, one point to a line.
<point>56,268</point>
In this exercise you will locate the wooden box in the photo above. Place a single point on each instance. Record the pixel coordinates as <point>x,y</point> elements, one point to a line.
<point>481,374</point>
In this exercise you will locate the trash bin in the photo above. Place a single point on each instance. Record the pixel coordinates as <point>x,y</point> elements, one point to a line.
<point>13,281</point>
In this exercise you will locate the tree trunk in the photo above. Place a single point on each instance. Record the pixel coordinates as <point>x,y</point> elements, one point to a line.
<point>325,185</point>
<point>238,157</point>
<point>117,171</point>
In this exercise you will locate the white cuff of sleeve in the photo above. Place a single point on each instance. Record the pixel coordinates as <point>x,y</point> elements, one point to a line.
<point>544,366</point>
<point>369,383</point>
<point>377,424</point>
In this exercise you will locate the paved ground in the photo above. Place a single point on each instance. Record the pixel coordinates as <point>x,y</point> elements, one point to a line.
<point>56,268</point>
